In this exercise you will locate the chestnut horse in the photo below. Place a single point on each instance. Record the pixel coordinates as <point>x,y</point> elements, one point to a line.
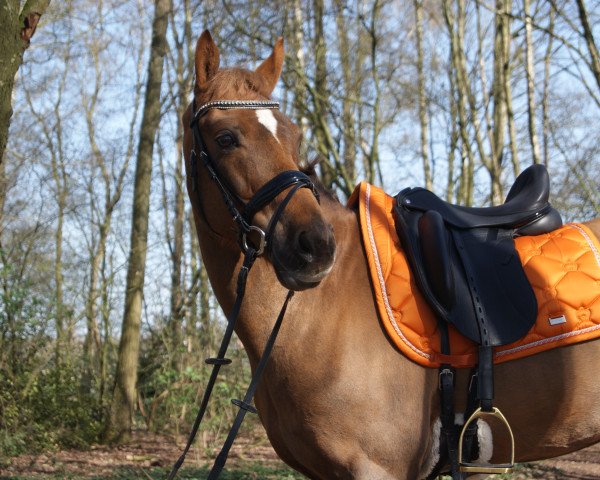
<point>337,400</point>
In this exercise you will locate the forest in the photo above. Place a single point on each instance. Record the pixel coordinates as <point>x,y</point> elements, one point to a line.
<point>106,311</point>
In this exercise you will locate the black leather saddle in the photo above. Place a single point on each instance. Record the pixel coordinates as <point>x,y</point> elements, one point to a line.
<point>465,263</point>
<point>464,259</point>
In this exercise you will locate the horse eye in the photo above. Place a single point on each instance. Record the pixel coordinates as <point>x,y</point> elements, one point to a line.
<point>226,140</point>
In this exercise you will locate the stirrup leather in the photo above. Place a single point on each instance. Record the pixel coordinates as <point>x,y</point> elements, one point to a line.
<point>491,468</point>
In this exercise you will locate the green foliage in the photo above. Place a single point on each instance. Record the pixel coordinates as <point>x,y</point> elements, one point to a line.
<point>171,394</point>
<point>23,323</point>
<point>41,405</point>
<point>46,410</point>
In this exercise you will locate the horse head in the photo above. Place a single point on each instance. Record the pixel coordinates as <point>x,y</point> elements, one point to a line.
<point>249,144</point>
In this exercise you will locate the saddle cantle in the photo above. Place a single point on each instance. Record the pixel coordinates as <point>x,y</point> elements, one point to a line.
<point>464,259</point>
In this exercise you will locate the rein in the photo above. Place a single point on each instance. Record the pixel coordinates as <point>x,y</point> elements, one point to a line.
<point>292,179</point>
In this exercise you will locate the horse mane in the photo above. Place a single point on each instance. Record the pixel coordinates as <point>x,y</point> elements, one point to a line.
<point>310,169</point>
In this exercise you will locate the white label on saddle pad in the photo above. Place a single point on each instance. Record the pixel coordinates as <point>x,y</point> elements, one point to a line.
<point>557,320</point>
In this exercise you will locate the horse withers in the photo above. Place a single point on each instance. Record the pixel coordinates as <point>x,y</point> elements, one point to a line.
<point>338,400</point>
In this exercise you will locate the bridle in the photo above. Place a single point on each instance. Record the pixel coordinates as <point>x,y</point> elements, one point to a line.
<point>264,195</point>
<point>288,179</point>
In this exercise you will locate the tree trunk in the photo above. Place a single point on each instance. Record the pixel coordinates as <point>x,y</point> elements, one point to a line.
<point>183,67</point>
<point>320,94</point>
<point>106,337</point>
<point>455,25</point>
<point>192,330</point>
<point>418,5</point>
<point>372,160</point>
<point>530,71</point>
<point>590,41</point>
<point>17,27</point>
<point>512,130</point>
<point>119,421</point>
<point>349,93</point>
<point>545,116</point>
<point>3,188</point>
<point>501,62</point>
<point>454,133</point>
<point>300,100</point>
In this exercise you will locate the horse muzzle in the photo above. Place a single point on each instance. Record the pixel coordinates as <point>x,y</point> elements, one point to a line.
<point>302,257</point>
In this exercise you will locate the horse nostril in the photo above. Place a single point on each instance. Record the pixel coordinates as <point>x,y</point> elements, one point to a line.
<point>316,245</point>
<point>306,246</point>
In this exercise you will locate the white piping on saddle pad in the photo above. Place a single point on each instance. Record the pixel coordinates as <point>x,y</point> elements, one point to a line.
<point>588,240</point>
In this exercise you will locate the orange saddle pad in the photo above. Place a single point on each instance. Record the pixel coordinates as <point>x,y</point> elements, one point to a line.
<point>562,266</point>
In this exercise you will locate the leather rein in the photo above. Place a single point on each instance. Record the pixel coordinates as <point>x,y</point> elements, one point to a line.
<point>289,179</point>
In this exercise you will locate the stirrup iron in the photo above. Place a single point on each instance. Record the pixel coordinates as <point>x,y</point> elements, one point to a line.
<point>486,468</point>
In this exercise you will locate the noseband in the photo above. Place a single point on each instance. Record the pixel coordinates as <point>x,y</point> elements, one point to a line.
<point>263,196</point>
<point>292,179</point>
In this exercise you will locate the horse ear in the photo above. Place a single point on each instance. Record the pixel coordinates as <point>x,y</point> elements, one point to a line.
<point>207,58</point>
<point>270,69</point>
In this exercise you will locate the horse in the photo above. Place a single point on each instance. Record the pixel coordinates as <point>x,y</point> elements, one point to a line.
<point>337,400</point>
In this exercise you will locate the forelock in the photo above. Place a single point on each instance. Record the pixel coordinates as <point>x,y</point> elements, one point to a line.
<point>233,84</point>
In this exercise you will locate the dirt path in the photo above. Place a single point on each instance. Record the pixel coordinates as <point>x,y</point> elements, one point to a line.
<point>147,451</point>
<point>581,465</point>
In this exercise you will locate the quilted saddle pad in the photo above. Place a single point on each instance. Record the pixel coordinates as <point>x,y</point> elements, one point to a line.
<point>563,267</point>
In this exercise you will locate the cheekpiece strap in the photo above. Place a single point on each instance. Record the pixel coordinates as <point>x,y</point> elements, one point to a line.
<point>234,105</point>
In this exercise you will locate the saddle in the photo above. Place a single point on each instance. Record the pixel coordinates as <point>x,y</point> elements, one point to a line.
<point>464,259</point>
<point>465,264</point>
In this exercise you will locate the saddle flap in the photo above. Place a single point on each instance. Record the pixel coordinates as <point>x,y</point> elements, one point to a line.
<point>503,303</point>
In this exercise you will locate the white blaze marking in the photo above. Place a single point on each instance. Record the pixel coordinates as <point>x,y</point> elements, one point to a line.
<point>266,118</point>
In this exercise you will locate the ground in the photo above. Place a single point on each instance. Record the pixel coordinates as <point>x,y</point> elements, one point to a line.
<point>149,456</point>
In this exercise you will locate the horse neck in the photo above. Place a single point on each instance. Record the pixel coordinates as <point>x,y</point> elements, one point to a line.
<point>265,295</point>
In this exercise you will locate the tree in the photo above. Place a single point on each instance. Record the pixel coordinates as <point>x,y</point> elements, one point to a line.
<point>17,26</point>
<point>119,421</point>
<point>418,5</point>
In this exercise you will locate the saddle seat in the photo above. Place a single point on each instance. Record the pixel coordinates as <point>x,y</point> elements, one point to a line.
<point>526,208</point>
